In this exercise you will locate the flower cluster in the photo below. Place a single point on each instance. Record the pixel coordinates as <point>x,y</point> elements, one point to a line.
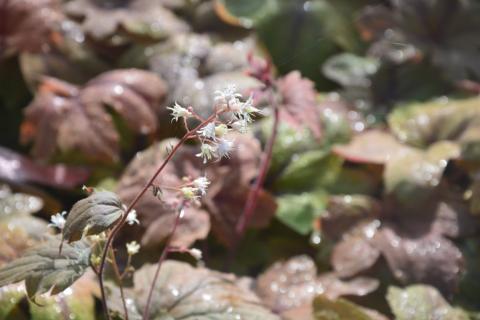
<point>179,112</point>
<point>194,190</point>
<point>212,135</point>
<point>96,238</point>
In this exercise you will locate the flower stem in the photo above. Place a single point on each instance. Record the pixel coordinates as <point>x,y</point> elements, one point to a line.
<point>162,258</point>
<point>122,221</point>
<point>252,198</point>
<point>119,278</point>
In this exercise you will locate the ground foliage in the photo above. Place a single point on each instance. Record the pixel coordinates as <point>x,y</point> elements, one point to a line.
<point>370,208</point>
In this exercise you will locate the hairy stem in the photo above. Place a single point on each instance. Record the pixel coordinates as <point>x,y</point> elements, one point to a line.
<point>119,278</point>
<point>252,198</point>
<point>122,221</point>
<point>162,258</point>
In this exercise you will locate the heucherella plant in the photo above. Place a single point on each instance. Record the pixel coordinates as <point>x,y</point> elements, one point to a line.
<point>90,227</point>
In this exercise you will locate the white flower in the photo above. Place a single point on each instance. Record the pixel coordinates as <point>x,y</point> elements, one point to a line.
<point>227,97</point>
<point>201,184</point>
<point>98,237</point>
<point>194,252</point>
<point>179,112</point>
<point>133,248</point>
<point>240,126</point>
<point>224,147</point>
<point>132,218</point>
<point>190,193</point>
<point>248,108</point>
<point>208,131</point>
<point>235,105</point>
<point>207,152</point>
<point>246,111</point>
<point>58,220</point>
<point>221,130</point>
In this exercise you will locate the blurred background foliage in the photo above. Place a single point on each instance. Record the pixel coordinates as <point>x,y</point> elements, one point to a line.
<point>383,204</point>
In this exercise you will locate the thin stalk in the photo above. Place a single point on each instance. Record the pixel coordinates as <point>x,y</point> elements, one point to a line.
<point>120,224</point>
<point>162,258</point>
<point>252,198</point>
<point>129,263</point>
<point>3,26</point>
<point>119,278</point>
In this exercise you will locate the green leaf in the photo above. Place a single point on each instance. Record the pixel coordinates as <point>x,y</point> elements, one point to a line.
<point>392,84</point>
<point>246,13</point>
<point>371,147</point>
<point>14,95</point>
<point>76,303</point>
<point>115,302</point>
<point>410,173</point>
<point>421,302</point>
<point>43,268</point>
<point>71,61</point>
<point>307,170</point>
<point>414,174</point>
<point>298,35</point>
<point>400,33</point>
<point>350,70</point>
<point>298,211</point>
<point>340,309</point>
<point>422,124</point>
<point>92,215</point>
<point>19,230</point>
<point>10,296</point>
<point>187,293</point>
<point>469,288</point>
<point>356,180</point>
<point>289,142</point>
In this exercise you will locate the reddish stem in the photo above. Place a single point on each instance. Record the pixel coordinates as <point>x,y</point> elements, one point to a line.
<point>3,26</point>
<point>251,203</point>
<point>120,224</point>
<point>162,258</point>
<point>120,284</point>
